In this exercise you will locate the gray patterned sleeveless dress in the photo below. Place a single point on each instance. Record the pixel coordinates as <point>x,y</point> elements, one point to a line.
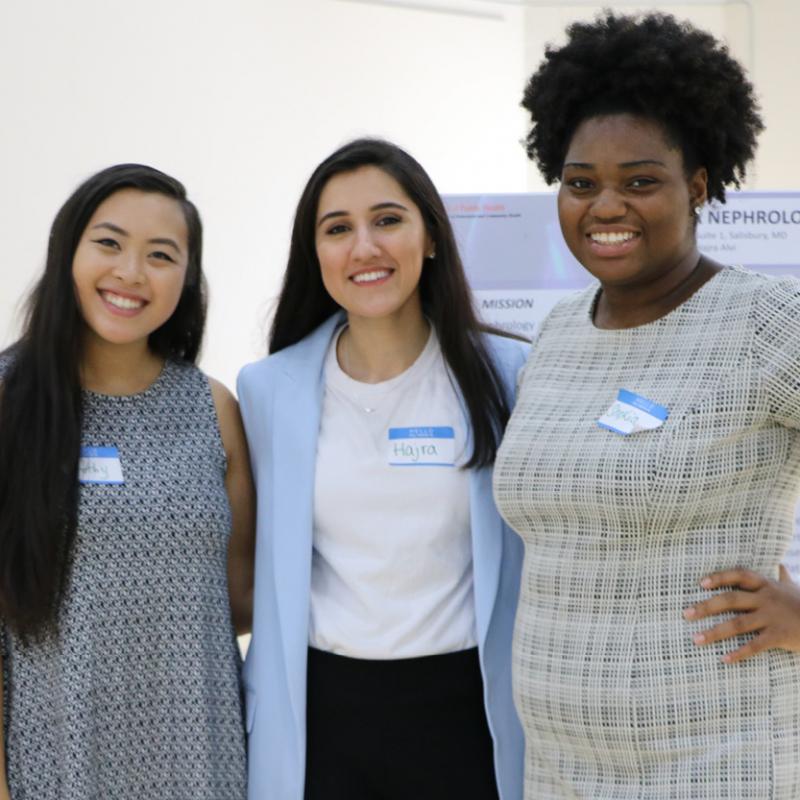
<point>616,701</point>
<point>138,697</point>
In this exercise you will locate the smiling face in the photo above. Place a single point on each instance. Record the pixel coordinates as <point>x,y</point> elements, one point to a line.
<point>626,205</point>
<point>371,242</point>
<point>130,265</point>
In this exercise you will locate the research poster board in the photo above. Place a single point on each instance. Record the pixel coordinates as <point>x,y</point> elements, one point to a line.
<point>519,267</point>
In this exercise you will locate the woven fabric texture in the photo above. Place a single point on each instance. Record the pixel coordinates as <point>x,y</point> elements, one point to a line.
<point>616,701</point>
<point>138,697</point>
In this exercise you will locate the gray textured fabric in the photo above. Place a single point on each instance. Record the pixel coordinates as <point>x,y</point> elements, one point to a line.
<point>616,701</point>
<point>138,697</point>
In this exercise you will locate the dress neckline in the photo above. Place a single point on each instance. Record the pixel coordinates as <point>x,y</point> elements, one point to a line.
<point>159,380</point>
<point>686,305</point>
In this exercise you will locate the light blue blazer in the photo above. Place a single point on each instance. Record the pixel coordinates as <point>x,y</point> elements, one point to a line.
<point>281,400</point>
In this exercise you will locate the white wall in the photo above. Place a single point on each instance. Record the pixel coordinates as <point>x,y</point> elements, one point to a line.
<point>776,75</point>
<point>241,98</point>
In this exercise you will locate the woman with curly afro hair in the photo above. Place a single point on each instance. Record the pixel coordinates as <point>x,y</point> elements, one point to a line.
<point>653,460</point>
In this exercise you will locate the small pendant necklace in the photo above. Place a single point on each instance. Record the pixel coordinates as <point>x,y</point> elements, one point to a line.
<point>341,357</point>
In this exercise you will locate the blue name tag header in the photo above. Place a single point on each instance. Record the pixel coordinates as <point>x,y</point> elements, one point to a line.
<point>422,433</point>
<point>99,452</point>
<point>637,401</point>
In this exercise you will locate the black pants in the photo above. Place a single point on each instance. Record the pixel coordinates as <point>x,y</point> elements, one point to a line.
<point>405,729</point>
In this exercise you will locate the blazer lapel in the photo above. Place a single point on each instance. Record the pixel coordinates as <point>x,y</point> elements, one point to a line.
<point>298,406</point>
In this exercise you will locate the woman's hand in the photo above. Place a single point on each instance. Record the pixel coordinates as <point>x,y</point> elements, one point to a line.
<point>768,608</point>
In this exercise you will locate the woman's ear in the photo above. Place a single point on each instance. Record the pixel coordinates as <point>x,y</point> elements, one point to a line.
<point>698,188</point>
<point>430,247</point>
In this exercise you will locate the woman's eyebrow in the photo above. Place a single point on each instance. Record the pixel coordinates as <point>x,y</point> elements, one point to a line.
<point>112,227</point>
<point>388,204</point>
<point>331,214</point>
<point>641,162</point>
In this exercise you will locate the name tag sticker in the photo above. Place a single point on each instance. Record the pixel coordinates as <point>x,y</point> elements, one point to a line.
<point>99,465</point>
<point>422,447</point>
<point>631,413</point>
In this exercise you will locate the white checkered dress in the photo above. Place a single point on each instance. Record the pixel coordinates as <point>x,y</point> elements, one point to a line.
<point>616,701</point>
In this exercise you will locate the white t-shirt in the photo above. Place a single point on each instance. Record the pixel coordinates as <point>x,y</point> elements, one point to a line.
<point>392,560</point>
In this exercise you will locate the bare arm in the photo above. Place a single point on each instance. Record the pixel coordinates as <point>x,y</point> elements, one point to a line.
<point>241,496</point>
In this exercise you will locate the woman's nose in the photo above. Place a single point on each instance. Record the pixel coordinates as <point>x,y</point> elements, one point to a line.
<point>364,246</point>
<point>609,204</point>
<point>129,268</point>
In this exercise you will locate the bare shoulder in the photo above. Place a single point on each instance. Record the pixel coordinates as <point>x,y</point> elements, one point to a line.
<point>224,401</point>
<point>228,416</point>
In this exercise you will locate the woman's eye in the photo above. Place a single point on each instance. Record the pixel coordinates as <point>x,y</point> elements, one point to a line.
<point>642,183</point>
<point>579,183</point>
<point>160,255</point>
<point>334,229</point>
<point>107,242</point>
<point>391,219</point>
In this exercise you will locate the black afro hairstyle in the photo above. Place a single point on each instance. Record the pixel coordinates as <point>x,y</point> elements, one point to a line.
<point>656,67</point>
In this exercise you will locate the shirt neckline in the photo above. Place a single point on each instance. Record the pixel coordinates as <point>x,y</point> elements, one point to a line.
<point>336,377</point>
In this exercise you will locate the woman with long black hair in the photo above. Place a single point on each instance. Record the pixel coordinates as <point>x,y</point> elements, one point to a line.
<point>385,580</point>
<point>124,486</point>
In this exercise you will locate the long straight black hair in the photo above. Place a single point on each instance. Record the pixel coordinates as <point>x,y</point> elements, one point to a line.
<point>304,303</point>
<point>40,401</point>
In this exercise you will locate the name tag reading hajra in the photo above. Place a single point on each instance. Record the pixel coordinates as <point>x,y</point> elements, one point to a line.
<point>422,447</point>
<point>631,413</point>
<point>100,465</point>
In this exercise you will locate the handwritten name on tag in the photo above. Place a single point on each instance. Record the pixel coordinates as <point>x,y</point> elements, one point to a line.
<point>99,465</point>
<point>422,447</point>
<point>631,413</point>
